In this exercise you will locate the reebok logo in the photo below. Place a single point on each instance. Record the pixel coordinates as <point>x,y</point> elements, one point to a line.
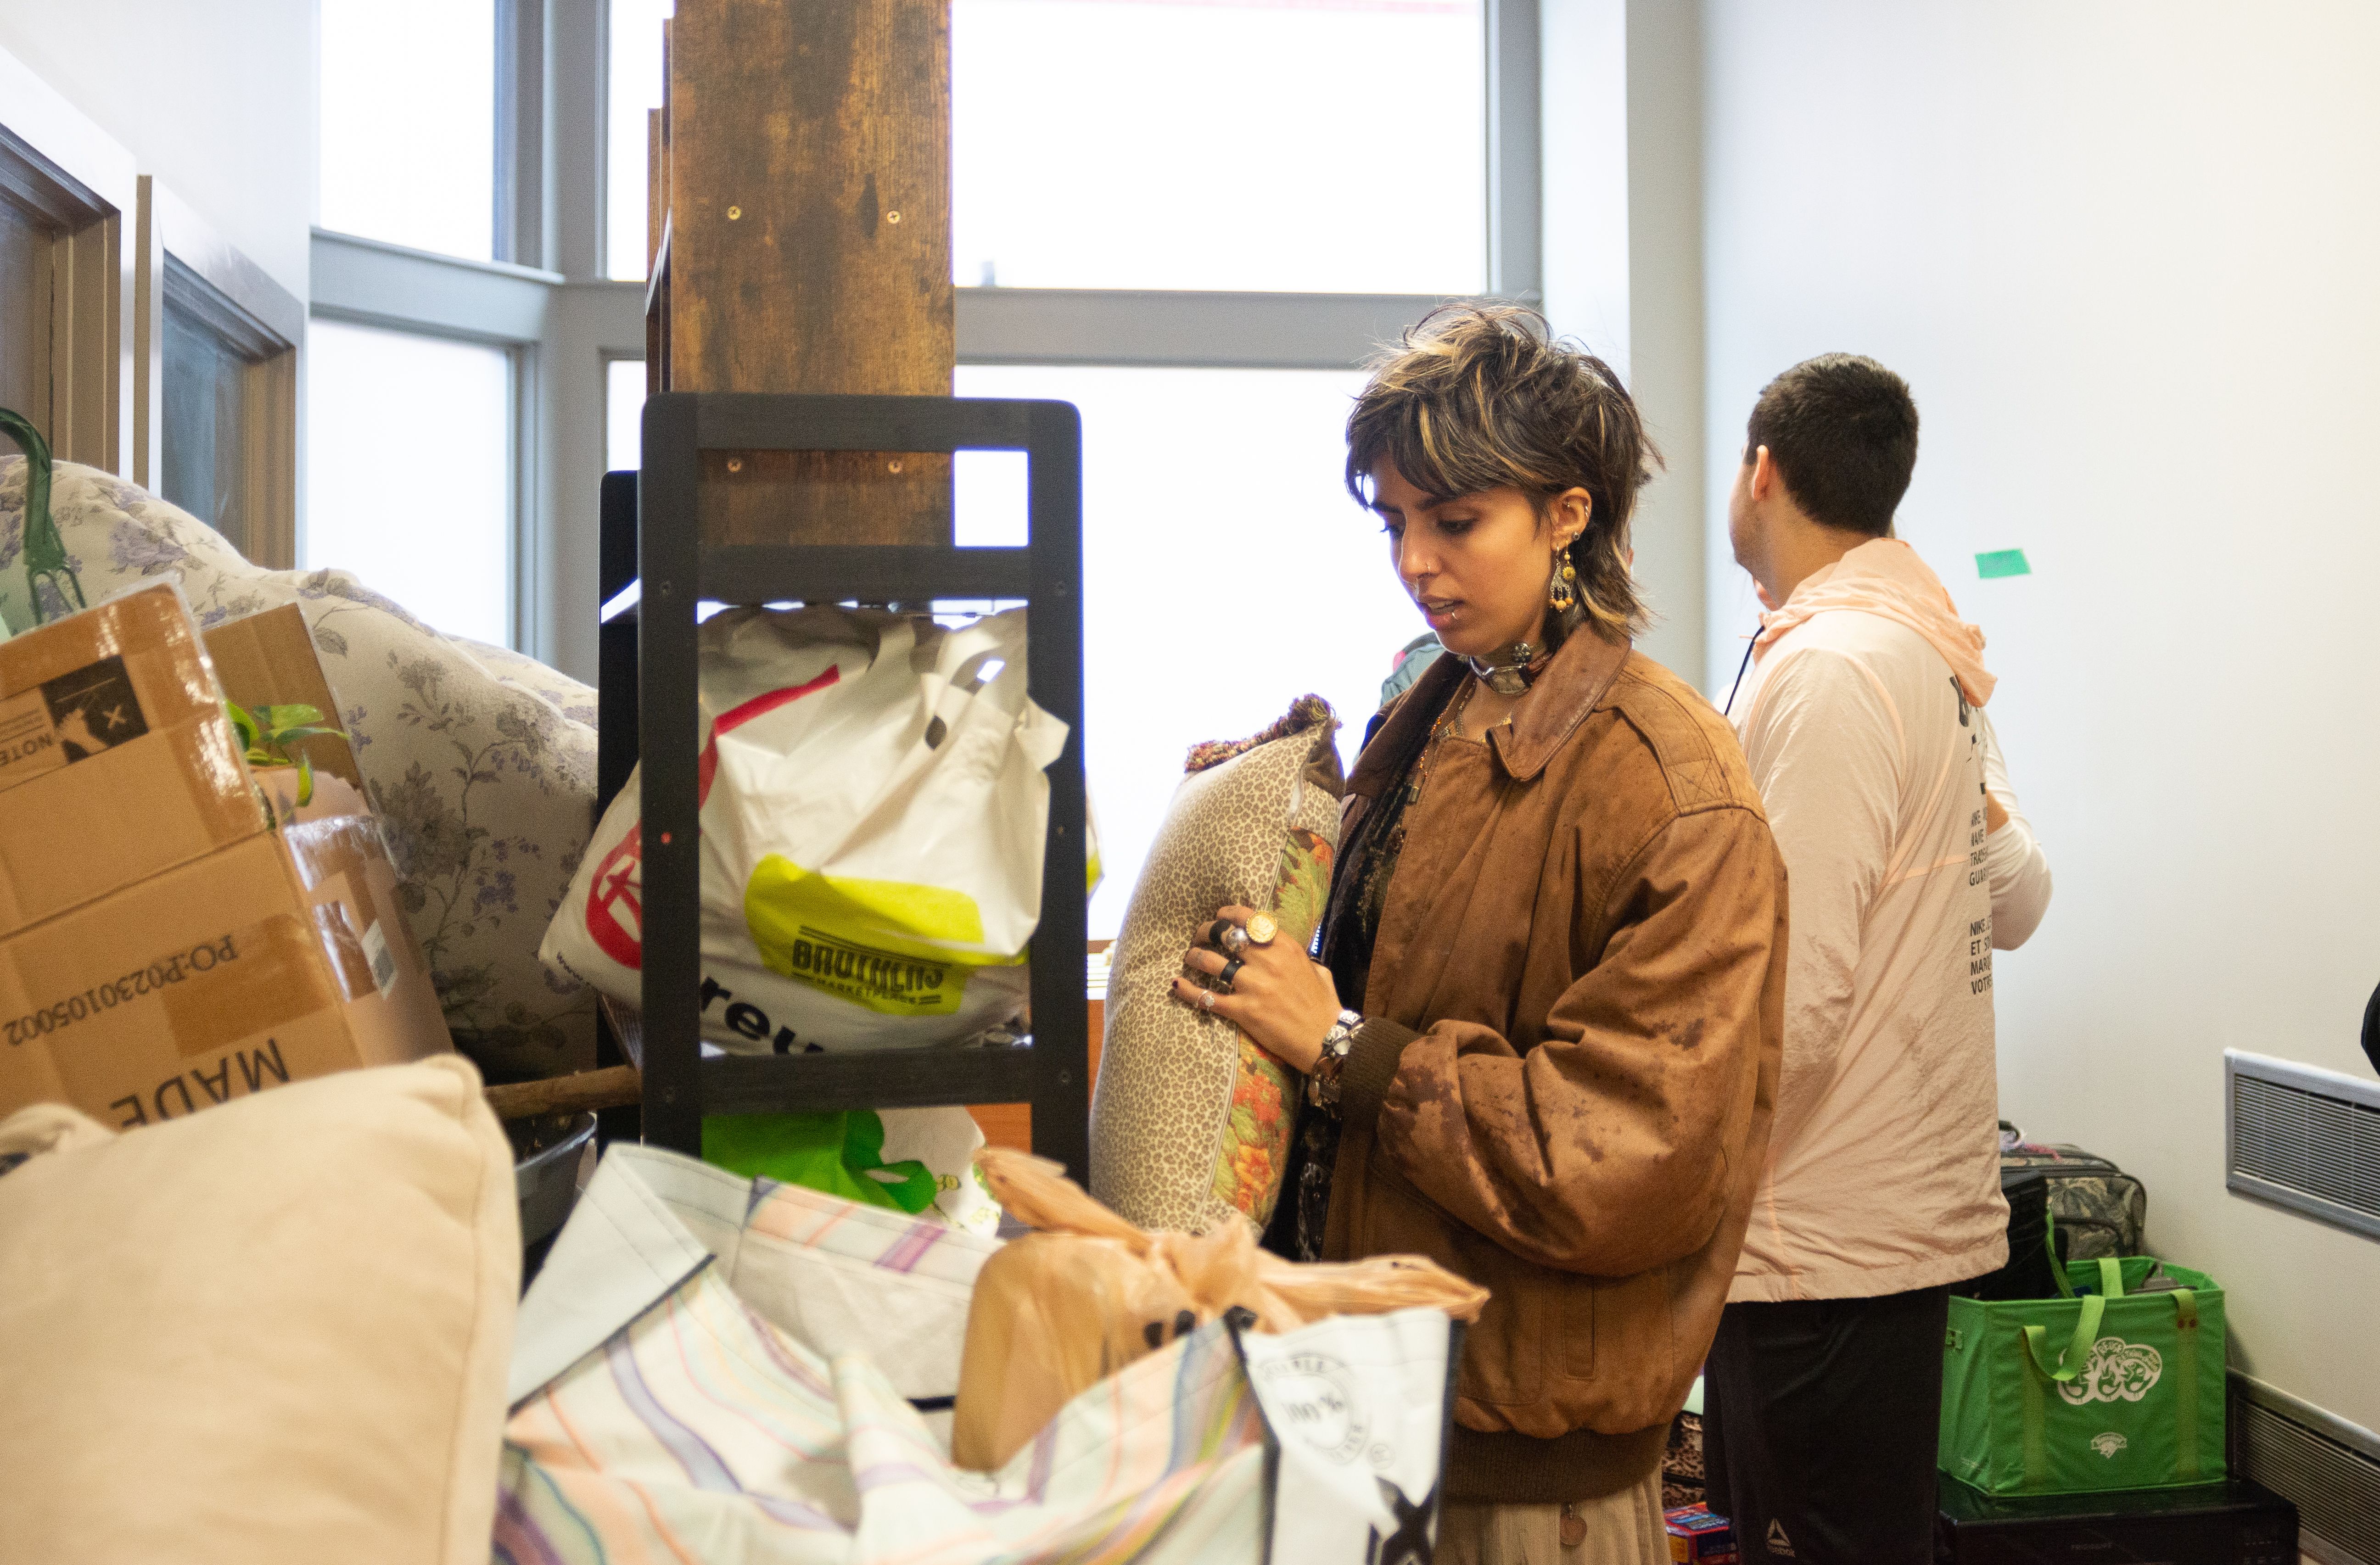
<point>1776,1540</point>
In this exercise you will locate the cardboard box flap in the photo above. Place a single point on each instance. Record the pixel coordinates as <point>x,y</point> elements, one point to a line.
<point>268,659</point>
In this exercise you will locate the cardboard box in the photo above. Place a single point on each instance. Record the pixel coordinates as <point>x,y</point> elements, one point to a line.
<point>284,957</point>
<point>117,759</point>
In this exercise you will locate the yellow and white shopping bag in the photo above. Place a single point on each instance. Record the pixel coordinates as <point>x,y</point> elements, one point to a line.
<point>874,808</point>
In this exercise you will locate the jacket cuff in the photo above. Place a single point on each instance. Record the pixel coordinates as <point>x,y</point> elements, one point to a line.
<point>1371,1065</point>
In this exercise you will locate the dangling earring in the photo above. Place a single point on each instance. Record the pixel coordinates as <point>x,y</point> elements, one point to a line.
<point>1561,587</point>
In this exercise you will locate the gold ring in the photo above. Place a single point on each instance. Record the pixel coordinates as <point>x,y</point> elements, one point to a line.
<point>1261,928</point>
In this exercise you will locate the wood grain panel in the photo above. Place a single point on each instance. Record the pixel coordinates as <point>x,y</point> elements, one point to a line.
<point>808,188</point>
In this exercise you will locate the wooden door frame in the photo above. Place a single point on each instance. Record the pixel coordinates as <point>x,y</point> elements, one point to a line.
<point>77,180</point>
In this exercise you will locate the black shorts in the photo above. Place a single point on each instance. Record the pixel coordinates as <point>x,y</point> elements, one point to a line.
<point>1820,1421</point>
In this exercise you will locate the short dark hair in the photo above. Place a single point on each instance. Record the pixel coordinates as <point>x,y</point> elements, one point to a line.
<point>1842,431</point>
<point>1480,397</point>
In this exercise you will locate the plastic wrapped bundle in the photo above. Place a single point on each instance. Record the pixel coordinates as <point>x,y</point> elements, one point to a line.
<point>1088,1293</point>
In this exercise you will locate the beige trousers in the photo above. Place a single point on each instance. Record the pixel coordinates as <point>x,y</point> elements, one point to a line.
<point>1620,1529</point>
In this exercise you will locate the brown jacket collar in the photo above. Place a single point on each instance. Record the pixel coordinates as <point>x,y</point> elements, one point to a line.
<point>1580,675</point>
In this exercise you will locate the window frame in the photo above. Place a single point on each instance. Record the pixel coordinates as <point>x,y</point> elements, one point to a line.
<point>84,186</point>
<point>178,255</point>
<point>551,301</point>
<point>495,304</point>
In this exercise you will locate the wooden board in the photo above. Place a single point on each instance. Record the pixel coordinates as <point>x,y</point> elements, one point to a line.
<point>808,190</point>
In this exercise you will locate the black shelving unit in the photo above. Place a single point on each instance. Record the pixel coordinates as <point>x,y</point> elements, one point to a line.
<point>648,684</point>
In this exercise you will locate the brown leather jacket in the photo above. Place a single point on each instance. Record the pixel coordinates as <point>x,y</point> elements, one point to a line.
<point>1563,1086</point>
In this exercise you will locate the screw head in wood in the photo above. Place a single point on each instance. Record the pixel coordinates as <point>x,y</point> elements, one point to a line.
<point>734,212</point>
<point>892,466</point>
<point>735,463</point>
<point>891,217</point>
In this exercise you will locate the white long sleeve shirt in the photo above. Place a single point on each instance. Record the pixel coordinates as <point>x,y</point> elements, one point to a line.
<point>1884,1166</point>
<point>2019,870</point>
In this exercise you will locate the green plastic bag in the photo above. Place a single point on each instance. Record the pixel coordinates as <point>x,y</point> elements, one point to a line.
<point>2108,1388</point>
<point>917,1161</point>
<point>842,1154</point>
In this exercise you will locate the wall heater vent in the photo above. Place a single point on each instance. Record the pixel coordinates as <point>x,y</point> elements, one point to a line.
<point>2305,1138</point>
<point>2329,1468</point>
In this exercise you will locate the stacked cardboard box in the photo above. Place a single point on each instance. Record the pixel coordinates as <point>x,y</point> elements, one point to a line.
<point>172,933</point>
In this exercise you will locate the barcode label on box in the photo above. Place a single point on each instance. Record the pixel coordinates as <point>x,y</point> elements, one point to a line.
<point>383,960</point>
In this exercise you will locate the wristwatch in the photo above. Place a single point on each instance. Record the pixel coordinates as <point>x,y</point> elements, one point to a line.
<point>1322,1083</point>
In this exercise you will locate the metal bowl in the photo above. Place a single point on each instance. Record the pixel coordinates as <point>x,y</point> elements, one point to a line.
<point>547,1152</point>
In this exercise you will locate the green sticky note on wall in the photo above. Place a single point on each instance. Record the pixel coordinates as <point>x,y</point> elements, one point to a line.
<point>2002,561</point>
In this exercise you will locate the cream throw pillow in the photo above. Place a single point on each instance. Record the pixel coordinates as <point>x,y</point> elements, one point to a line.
<point>1190,1121</point>
<point>275,1333</point>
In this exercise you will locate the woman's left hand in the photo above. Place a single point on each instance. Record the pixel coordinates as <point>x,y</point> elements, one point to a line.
<point>1287,1002</point>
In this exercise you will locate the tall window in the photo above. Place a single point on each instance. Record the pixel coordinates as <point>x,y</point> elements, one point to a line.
<point>410,472</point>
<point>632,87</point>
<point>416,468</point>
<point>624,411</point>
<point>408,122</point>
<point>1225,571</point>
<point>1227,173</point>
<point>1268,144</point>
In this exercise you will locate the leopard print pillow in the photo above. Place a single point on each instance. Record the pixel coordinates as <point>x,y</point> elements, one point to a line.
<point>1190,1121</point>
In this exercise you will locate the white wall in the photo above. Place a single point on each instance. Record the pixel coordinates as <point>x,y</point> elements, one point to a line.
<point>216,100</point>
<point>2123,254</point>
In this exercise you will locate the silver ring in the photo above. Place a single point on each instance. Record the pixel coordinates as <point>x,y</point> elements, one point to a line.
<point>1234,939</point>
<point>1206,1000</point>
<point>1231,971</point>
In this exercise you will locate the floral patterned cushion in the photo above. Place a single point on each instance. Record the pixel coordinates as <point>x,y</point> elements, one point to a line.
<point>482,762</point>
<point>1190,1120</point>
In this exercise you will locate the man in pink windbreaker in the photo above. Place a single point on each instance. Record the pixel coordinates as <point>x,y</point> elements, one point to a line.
<point>1908,863</point>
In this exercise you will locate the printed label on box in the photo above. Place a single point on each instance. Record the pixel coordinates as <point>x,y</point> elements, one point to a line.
<point>383,960</point>
<point>71,718</point>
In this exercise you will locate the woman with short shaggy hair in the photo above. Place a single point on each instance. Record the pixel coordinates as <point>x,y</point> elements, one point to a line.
<point>1541,1043</point>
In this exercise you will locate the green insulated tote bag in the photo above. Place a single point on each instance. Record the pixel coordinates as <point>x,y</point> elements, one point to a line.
<point>2117,1387</point>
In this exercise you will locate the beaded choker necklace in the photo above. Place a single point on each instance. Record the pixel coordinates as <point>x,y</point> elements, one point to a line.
<point>1512,670</point>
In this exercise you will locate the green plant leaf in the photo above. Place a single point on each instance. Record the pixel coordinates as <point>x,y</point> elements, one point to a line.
<point>245,724</point>
<point>305,780</point>
<point>281,719</point>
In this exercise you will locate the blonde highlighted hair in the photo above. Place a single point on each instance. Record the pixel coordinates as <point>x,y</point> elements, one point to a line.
<point>1480,397</point>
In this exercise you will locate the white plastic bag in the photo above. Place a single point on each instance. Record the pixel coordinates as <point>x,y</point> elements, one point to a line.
<point>874,811</point>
